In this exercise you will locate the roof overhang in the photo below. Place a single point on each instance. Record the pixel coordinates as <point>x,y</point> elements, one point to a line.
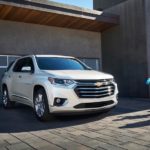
<point>55,14</point>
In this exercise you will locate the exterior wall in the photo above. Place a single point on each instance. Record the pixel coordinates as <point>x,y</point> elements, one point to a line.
<point>103,4</point>
<point>124,49</point>
<point>147,12</point>
<point>23,38</point>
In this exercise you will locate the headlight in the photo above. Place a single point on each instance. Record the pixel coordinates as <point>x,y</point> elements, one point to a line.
<point>62,82</point>
<point>111,80</point>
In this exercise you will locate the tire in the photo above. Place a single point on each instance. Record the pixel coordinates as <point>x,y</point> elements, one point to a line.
<point>6,100</point>
<point>41,106</point>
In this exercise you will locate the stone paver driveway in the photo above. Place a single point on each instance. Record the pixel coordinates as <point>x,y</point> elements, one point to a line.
<point>126,127</point>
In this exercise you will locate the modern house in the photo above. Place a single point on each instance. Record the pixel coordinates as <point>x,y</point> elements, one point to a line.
<point>114,37</point>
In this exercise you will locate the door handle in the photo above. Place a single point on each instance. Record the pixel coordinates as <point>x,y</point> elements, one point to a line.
<point>20,76</point>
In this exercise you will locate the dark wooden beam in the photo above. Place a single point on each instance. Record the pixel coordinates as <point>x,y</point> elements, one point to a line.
<point>53,15</point>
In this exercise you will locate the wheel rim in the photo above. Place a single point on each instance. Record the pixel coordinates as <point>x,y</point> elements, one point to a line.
<point>39,105</point>
<point>5,98</point>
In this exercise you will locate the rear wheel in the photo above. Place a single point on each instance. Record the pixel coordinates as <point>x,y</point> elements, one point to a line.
<point>6,100</point>
<point>41,106</point>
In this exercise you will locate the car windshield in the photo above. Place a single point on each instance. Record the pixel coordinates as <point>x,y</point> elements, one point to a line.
<point>56,63</point>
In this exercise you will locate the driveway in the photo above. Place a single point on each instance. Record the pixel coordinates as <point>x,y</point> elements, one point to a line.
<point>126,127</point>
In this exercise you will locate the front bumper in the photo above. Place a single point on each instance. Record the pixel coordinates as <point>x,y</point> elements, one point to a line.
<point>56,110</point>
<point>73,100</point>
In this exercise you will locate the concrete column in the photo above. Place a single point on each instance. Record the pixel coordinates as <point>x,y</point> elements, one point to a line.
<point>147,14</point>
<point>124,49</point>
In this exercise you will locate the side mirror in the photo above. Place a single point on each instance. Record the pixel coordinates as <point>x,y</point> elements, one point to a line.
<point>26,69</point>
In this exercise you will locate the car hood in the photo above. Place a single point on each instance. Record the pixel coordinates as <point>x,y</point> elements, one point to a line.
<point>78,74</point>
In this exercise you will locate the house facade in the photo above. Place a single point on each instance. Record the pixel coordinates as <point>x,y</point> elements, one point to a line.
<point>126,47</point>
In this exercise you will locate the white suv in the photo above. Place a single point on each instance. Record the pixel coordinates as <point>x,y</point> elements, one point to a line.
<point>57,84</point>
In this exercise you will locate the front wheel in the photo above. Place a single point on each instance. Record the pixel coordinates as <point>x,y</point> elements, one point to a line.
<point>6,100</point>
<point>41,105</point>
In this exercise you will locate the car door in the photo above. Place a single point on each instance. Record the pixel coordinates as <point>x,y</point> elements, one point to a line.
<point>22,83</point>
<point>15,78</point>
<point>26,80</point>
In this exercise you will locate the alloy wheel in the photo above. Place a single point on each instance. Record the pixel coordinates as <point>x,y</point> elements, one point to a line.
<point>5,98</point>
<point>39,105</point>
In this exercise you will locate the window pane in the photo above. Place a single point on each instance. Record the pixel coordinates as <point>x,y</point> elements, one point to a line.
<point>93,63</point>
<point>3,61</point>
<point>12,58</point>
<point>2,71</point>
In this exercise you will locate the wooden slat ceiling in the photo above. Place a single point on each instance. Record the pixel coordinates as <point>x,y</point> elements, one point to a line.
<point>28,14</point>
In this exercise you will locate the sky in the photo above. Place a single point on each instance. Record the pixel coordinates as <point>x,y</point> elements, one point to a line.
<point>81,3</point>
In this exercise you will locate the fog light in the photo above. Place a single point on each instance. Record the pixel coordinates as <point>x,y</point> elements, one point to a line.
<point>59,101</point>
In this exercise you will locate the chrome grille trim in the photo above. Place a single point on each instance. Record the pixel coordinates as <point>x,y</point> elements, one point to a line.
<point>88,89</point>
<point>90,84</point>
<point>108,90</point>
<point>101,88</point>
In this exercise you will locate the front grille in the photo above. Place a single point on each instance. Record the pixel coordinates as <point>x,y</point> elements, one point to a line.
<point>94,105</point>
<point>89,89</point>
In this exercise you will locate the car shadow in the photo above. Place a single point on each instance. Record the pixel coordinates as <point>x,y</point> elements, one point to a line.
<point>133,117</point>
<point>136,125</point>
<point>131,105</point>
<point>22,119</point>
<point>141,120</point>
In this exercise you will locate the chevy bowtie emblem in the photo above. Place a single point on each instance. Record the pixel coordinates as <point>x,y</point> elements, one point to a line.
<point>98,84</point>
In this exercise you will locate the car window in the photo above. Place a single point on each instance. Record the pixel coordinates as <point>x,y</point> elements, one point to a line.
<point>54,63</point>
<point>24,65</point>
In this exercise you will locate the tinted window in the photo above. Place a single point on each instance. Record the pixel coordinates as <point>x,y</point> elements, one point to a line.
<point>25,62</point>
<point>53,63</point>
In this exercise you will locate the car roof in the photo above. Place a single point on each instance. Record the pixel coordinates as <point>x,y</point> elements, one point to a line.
<point>56,56</point>
<point>59,56</point>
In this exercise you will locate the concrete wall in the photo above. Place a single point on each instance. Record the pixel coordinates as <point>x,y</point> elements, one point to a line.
<point>147,12</point>
<point>23,38</point>
<point>103,4</point>
<point>124,49</point>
